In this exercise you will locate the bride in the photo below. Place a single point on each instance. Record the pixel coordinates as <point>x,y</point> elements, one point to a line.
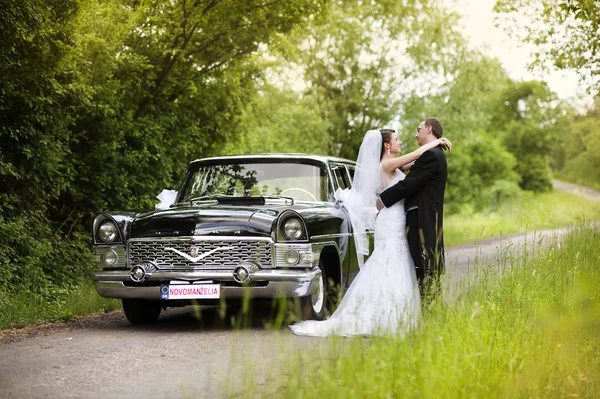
<point>384,297</point>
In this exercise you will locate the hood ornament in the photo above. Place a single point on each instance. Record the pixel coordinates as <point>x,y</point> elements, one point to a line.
<point>199,257</point>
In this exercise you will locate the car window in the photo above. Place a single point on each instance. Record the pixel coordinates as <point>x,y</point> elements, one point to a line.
<point>300,181</point>
<point>341,176</point>
<point>350,172</point>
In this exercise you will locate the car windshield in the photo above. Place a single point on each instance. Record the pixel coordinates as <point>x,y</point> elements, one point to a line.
<point>303,182</point>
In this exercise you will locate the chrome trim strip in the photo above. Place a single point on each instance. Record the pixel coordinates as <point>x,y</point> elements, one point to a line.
<point>277,156</point>
<point>318,246</point>
<point>275,289</point>
<point>204,238</point>
<point>287,283</point>
<point>332,236</point>
<point>262,275</point>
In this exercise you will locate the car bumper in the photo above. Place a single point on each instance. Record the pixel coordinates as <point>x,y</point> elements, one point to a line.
<point>286,283</point>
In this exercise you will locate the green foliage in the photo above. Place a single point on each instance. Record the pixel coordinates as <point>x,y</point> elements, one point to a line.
<point>34,135</point>
<point>578,151</point>
<point>565,32</point>
<point>478,102</point>
<point>464,101</point>
<point>519,211</point>
<point>477,164</point>
<point>58,303</point>
<point>503,131</point>
<point>528,123</point>
<point>278,120</point>
<point>355,63</point>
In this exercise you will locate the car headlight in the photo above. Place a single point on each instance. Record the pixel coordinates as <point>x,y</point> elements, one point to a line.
<point>292,228</point>
<point>107,232</point>
<point>110,258</point>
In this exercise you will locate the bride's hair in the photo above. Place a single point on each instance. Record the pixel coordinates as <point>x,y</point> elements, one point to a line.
<point>386,137</point>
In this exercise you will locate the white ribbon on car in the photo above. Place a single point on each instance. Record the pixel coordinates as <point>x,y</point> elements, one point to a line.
<point>167,198</point>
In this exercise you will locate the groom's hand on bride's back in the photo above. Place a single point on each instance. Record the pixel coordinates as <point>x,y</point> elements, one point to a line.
<point>379,204</point>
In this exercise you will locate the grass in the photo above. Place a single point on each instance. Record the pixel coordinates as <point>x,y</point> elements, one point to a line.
<point>531,333</point>
<point>66,304</point>
<point>530,213</point>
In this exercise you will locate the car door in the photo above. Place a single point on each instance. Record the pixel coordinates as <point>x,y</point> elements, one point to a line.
<point>342,175</point>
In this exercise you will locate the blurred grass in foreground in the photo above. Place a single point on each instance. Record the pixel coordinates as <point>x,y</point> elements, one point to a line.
<point>530,213</point>
<point>531,333</point>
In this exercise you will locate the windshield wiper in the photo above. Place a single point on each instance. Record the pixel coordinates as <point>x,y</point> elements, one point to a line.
<point>232,199</point>
<point>210,197</point>
<point>285,197</point>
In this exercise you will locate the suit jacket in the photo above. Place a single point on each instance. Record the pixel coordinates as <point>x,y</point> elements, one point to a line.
<point>424,187</point>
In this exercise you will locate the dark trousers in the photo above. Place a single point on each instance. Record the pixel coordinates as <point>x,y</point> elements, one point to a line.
<point>414,245</point>
<point>423,263</point>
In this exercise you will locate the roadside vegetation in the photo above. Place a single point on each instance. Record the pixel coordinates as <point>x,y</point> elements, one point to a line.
<point>527,213</point>
<point>527,327</point>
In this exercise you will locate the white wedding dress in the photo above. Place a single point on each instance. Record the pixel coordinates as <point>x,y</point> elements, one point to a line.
<point>384,297</point>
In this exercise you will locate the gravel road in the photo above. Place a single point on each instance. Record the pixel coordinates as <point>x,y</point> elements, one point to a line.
<point>584,192</point>
<point>189,353</point>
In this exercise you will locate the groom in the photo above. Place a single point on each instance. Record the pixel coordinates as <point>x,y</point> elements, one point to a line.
<point>423,188</point>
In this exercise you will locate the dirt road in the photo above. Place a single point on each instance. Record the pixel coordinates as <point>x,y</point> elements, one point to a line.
<point>584,192</point>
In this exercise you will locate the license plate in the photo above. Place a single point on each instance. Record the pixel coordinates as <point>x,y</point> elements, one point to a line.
<point>189,291</point>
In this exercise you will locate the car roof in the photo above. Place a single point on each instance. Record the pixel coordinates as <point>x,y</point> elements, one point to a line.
<point>275,156</point>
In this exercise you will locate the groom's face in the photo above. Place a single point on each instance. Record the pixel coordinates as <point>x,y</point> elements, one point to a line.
<point>421,135</point>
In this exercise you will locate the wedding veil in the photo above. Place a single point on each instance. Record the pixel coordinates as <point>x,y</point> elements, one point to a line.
<point>360,199</point>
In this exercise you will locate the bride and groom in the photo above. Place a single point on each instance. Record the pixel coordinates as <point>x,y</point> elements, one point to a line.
<point>408,257</point>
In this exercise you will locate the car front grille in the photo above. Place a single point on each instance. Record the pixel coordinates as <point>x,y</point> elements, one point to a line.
<point>170,253</point>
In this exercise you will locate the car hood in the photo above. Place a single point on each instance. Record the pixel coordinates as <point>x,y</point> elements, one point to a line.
<point>216,220</point>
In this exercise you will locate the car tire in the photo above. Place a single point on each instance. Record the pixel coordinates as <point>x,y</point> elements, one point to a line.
<point>140,311</point>
<point>314,306</point>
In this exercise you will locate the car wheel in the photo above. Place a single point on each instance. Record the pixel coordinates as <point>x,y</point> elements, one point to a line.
<point>140,311</point>
<point>314,305</point>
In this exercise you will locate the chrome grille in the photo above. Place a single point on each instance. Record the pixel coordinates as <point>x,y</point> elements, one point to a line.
<point>143,250</point>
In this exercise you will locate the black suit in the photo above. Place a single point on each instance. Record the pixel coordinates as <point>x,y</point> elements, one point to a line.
<point>424,188</point>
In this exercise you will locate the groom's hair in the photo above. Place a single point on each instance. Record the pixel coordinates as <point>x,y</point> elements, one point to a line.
<point>436,127</point>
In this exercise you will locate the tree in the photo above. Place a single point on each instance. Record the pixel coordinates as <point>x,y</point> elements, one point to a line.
<point>155,85</point>
<point>35,134</point>
<point>278,120</point>
<point>358,65</point>
<point>468,91</point>
<point>565,32</point>
<point>578,150</point>
<point>528,116</point>
<point>480,164</point>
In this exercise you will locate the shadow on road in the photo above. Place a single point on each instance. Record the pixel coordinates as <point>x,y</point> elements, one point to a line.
<point>259,315</point>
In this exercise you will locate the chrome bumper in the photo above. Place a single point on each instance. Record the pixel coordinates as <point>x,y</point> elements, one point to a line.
<point>286,283</point>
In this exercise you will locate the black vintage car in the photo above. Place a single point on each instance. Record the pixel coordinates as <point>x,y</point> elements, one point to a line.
<point>263,225</point>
